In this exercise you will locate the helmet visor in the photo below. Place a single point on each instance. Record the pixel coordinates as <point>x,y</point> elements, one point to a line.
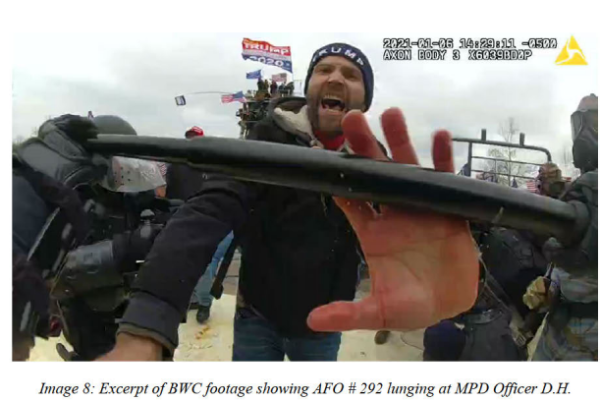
<point>133,175</point>
<point>582,119</point>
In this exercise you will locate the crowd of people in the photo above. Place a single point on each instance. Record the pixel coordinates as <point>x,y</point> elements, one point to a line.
<point>301,250</point>
<point>273,90</point>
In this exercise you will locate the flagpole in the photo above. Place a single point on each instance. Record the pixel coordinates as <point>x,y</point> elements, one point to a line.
<point>203,93</point>
<point>207,93</point>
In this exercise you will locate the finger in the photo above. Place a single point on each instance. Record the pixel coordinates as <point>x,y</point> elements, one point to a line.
<point>359,135</point>
<point>396,135</point>
<point>343,316</point>
<point>357,212</point>
<point>442,151</point>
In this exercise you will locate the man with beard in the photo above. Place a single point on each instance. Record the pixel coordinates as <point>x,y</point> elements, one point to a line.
<point>300,249</point>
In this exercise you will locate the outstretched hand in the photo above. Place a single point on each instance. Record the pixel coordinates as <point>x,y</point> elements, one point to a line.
<point>423,266</point>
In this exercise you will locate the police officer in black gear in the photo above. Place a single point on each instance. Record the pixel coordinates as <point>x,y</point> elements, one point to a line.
<point>46,169</point>
<point>52,175</point>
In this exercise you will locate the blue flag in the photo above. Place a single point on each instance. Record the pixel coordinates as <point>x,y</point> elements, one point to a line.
<point>254,75</point>
<point>180,101</point>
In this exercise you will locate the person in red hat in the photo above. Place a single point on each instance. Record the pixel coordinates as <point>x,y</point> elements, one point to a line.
<point>194,132</point>
<point>182,180</point>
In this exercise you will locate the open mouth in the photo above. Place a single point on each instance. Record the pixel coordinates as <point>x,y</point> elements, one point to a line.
<point>333,103</point>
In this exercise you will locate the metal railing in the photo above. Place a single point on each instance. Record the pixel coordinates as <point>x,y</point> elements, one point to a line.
<point>483,141</point>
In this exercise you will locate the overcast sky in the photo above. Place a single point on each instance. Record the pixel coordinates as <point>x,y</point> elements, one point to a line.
<point>138,76</point>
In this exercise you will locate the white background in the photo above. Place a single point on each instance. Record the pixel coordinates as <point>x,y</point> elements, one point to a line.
<point>439,19</point>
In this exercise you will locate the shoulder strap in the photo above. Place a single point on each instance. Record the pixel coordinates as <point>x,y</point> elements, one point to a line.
<point>217,287</point>
<point>59,195</point>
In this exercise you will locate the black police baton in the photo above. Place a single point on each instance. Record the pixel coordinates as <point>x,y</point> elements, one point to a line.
<point>357,177</point>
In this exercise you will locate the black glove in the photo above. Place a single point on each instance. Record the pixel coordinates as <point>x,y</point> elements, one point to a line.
<point>102,264</point>
<point>131,247</point>
<point>87,268</point>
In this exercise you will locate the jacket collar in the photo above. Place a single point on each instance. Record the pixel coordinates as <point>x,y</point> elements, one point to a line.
<point>291,115</point>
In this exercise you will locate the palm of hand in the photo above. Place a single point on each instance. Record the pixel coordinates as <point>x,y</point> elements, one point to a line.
<point>408,254</point>
<point>423,266</point>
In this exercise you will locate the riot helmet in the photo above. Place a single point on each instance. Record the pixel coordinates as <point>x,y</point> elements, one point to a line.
<point>125,174</point>
<point>584,129</point>
<point>113,125</point>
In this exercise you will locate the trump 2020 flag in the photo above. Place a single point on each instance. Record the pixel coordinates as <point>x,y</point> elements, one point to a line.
<point>180,101</point>
<point>233,97</point>
<point>266,53</point>
<point>254,75</point>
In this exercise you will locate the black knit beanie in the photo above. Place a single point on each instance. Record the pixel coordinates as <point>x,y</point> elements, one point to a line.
<point>351,53</point>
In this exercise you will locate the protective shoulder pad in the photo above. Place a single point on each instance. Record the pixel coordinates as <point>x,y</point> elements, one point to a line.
<point>60,158</point>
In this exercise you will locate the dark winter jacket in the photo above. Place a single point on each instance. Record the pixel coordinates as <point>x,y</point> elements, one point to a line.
<point>183,181</point>
<point>298,249</point>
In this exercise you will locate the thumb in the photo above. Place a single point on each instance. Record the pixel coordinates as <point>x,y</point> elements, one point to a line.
<point>343,316</point>
<point>357,212</point>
